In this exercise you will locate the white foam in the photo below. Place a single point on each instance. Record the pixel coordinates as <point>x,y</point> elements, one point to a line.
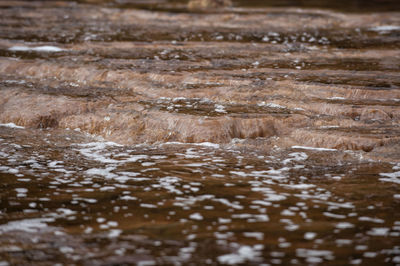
<point>370,254</point>
<point>391,177</point>
<point>378,231</point>
<point>274,197</point>
<point>66,249</point>
<point>287,213</point>
<point>27,225</point>
<point>102,172</point>
<point>299,186</point>
<point>385,28</point>
<point>196,216</point>
<point>127,197</point>
<point>229,204</point>
<point>344,225</point>
<point>224,221</point>
<point>272,105</point>
<point>312,148</point>
<point>370,219</point>
<point>207,144</point>
<point>244,254</point>
<point>310,235</point>
<point>311,253</point>
<point>146,205</point>
<point>261,202</point>
<point>295,156</point>
<point>333,215</point>
<point>10,125</point>
<point>114,233</point>
<point>336,98</point>
<point>46,48</point>
<point>168,184</point>
<point>220,108</point>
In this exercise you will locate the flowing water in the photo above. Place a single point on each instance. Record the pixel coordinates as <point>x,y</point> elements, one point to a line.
<point>147,133</point>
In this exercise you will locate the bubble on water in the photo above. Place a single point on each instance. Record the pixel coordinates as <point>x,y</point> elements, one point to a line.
<point>370,219</point>
<point>343,242</point>
<point>288,213</point>
<point>243,254</point>
<point>27,225</point>
<point>333,215</point>
<point>378,231</point>
<point>127,197</point>
<point>370,254</point>
<point>310,235</point>
<point>100,220</point>
<point>196,216</point>
<point>66,249</point>
<point>114,233</point>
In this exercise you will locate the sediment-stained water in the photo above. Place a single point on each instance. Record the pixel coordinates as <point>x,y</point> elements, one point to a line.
<point>151,133</point>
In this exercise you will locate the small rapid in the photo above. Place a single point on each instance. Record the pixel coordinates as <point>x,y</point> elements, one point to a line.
<point>157,133</point>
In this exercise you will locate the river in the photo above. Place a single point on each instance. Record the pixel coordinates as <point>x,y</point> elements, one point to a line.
<point>150,133</point>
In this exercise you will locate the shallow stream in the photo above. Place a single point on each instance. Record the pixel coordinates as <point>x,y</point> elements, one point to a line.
<point>147,133</point>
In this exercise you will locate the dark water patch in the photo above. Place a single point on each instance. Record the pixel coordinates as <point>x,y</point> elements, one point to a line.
<point>381,130</point>
<point>193,60</point>
<point>367,84</point>
<point>331,38</point>
<point>41,36</point>
<point>352,64</point>
<point>205,107</point>
<point>69,89</point>
<point>32,54</point>
<point>383,102</point>
<point>72,28</point>
<point>346,6</point>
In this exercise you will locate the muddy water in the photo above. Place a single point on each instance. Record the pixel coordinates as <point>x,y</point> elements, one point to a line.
<point>142,132</point>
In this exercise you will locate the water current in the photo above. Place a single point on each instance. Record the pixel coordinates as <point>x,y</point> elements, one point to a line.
<point>154,133</point>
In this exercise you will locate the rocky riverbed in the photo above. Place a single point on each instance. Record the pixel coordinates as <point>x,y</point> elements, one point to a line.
<point>155,133</point>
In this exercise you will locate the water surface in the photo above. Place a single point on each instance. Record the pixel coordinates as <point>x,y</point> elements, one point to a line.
<point>146,133</point>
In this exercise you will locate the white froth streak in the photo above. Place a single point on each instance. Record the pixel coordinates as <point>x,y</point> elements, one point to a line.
<point>312,148</point>
<point>204,144</point>
<point>46,48</point>
<point>385,28</point>
<point>390,177</point>
<point>10,125</point>
<point>27,225</point>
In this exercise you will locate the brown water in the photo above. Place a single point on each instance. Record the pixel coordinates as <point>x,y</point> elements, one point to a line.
<point>142,132</point>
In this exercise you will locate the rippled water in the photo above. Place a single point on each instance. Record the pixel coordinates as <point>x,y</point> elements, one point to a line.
<point>147,133</point>
<point>100,202</point>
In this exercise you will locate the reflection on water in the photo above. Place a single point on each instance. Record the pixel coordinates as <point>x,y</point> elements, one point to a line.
<point>142,132</point>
